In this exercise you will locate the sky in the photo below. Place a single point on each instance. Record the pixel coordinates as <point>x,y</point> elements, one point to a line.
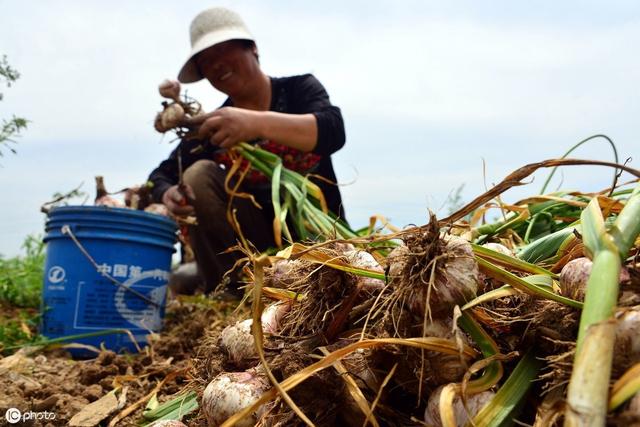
<point>435,95</point>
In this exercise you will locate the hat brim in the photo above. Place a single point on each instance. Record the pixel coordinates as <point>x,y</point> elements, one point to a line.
<point>189,72</point>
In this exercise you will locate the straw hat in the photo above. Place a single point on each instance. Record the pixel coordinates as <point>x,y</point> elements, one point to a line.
<point>210,27</point>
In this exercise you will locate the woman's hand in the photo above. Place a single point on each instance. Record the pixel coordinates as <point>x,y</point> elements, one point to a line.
<point>227,126</point>
<point>176,200</point>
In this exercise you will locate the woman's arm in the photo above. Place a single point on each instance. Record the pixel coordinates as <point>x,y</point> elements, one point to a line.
<point>229,125</point>
<point>312,123</point>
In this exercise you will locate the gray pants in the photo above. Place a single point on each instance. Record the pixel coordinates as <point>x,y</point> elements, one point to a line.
<point>213,235</point>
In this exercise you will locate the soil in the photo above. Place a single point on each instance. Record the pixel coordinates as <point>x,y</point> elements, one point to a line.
<point>51,380</point>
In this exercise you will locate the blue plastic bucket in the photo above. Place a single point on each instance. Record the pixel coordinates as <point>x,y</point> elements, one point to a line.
<point>106,268</point>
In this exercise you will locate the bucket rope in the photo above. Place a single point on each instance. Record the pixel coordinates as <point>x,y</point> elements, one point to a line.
<point>67,230</point>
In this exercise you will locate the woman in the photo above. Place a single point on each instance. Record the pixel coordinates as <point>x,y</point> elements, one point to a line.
<point>290,116</point>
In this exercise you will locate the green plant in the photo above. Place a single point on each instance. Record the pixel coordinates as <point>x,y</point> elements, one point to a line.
<point>18,327</point>
<point>173,409</point>
<point>21,276</point>
<point>296,197</point>
<point>14,125</point>
<point>20,294</point>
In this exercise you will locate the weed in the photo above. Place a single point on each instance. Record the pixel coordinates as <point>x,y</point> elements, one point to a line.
<point>20,294</point>
<point>21,276</point>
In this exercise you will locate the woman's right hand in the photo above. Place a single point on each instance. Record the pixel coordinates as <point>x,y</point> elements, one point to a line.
<point>176,199</point>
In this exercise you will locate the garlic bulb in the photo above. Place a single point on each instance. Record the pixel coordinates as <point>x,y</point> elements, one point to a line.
<point>158,208</point>
<point>574,277</point>
<point>475,403</point>
<point>170,89</point>
<point>397,261</point>
<point>172,116</point>
<point>454,282</point>
<point>238,341</point>
<point>230,392</point>
<point>110,202</point>
<point>634,406</point>
<point>628,333</point>
<point>445,368</point>
<point>168,423</point>
<point>364,260</point>
<point>282,273</point>
<point>272,317</point>
<point>500,248</point>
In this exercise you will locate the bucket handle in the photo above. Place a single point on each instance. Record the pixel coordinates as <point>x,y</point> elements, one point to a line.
<point>67,230</point>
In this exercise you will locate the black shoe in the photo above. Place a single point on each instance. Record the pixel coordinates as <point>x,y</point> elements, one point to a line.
<point>185,279</point>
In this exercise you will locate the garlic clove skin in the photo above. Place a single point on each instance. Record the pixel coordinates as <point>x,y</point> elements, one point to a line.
<point>230,392</point>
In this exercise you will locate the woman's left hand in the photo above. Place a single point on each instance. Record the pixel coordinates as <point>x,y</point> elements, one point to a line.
<point>227,126</point>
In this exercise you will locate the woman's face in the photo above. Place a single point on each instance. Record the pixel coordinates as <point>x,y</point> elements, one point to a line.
<point>230,66</point>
